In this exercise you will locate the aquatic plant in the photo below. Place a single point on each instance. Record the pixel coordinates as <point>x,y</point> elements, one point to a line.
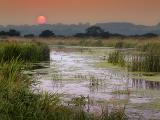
<point>32,52</point>
<point>145,63</point>
<point>117,58</point>
<point>148,60</point>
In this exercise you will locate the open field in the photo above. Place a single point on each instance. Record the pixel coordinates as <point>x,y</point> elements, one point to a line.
<point>128,42</point>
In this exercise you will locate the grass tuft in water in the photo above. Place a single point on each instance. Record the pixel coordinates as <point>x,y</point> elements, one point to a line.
<point>117,58</point>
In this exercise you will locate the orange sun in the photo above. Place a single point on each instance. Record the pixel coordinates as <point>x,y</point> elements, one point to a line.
<point>41,20</point>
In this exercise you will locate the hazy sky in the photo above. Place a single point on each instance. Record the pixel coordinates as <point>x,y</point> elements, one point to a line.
<point>145,12</point>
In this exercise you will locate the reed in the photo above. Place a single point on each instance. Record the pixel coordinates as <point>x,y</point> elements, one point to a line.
<point>148,60</point>
<point>31,52</point>
<point>117,58</point>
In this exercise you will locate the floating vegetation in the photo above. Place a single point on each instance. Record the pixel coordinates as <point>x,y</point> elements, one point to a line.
<point>123,92</point>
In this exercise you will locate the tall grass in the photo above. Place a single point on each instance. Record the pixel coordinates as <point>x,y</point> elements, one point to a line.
<point>31,52</point>
<point>148,60</point>
<point>145,63</point>
<point>117,58</point>
<point>145,59</point>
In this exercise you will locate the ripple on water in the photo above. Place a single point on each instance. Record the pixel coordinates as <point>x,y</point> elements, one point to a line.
<point>76,75</point>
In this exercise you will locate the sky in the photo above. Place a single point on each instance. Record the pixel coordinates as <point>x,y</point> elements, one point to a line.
<point>20,12</point>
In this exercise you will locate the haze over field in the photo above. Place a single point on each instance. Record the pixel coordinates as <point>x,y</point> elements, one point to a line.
<point>69,30</point>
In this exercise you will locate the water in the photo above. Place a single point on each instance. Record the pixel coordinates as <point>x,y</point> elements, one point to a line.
<point>72,72</point>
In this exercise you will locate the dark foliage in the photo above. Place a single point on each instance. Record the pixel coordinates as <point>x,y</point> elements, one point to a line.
<point>147,35</point>
<point>11,33</point>
<point>47,33</point>
<point>94,31</point>
<point>29,35</point>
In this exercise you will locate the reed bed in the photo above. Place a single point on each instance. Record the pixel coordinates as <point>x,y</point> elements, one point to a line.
<point>148,60</point>
<point>145,58</point>
<point>117,58</point>
<point>145,63</point>
<point>28,51</point>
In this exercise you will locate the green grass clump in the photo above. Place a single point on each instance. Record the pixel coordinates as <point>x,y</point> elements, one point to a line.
<point>31,52</point>
<point>145,59</point>
<point>116,58</point>
<point>121,44</point>
<point>148,60</point>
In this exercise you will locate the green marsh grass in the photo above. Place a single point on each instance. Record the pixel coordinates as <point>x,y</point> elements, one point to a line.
<point>145,58</point>
<point>117,58</point>
<point>148,60</point>
<point>29,52</point>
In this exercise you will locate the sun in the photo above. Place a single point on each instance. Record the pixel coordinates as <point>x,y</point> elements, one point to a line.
<point>41,20</point>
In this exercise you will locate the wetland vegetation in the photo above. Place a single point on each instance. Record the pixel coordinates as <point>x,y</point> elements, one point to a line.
<point>79,82</point>
<point>20,101</point>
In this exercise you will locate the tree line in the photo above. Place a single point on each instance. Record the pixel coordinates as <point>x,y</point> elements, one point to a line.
<point>93,31</point>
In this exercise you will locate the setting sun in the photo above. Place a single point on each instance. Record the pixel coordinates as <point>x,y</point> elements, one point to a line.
<point>41,20</point>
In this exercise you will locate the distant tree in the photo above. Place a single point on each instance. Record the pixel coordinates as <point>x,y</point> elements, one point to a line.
<point>3,33</point>
<point>13,32</point>
<point>118,35</point>
<point>150,35</point>
<point>47,33</point>
<point>80,35</point>
<point>147,35</point>
<point>29,35</point>
<point>94,31</point>
<point>105,35</point>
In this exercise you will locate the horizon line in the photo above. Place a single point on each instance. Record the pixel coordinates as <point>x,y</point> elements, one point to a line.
<point>80,23</point>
